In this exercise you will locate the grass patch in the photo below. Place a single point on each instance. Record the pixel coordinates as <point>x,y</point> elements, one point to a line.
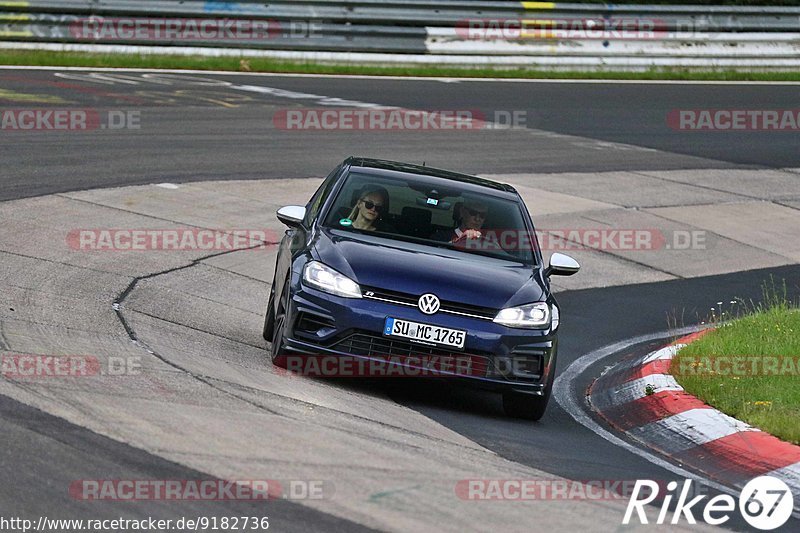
<point>236,64</point>
<point>749,368</point>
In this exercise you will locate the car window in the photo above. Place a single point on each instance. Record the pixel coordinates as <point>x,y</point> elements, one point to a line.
<point>314,205</point>
<point>420,212</point>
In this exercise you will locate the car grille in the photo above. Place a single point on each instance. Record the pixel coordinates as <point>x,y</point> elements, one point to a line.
<point>411,300</point>
<point>366,344</point>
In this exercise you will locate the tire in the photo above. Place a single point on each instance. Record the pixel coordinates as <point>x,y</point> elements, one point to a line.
<point>525,406</point>
<point>269,316</point>
<point>277,351</point>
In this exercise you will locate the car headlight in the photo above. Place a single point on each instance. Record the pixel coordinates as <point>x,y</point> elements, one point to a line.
<point>326,279</point>
<point>525,316</point>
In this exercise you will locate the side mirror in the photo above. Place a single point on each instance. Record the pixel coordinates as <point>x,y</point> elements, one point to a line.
<point>562,265</point>
<point>292,215</point>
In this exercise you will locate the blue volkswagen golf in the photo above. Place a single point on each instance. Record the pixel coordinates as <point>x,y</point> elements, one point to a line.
<point>419,269</point>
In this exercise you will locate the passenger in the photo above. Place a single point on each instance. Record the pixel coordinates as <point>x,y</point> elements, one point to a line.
<point>371,208</point>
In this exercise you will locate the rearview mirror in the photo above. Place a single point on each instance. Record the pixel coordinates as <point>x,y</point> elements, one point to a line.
<point>292,215</point>
<point>562,265</point>
<point>434,203</point>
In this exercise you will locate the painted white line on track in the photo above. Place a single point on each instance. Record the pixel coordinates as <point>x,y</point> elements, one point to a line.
<point>692,428</point>
<point>318,99</point>
<point>635,389</point>
<point>566,393</point>
<point>444,79</point>
<point>668,352</point>
<point>162,77</point>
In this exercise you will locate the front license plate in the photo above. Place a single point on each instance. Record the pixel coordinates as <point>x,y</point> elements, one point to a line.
<point>425,333</point>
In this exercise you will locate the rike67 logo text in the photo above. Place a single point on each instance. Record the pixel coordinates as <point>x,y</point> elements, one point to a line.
<point>765,503</point>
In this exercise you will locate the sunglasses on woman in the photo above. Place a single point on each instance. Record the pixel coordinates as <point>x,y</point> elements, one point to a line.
<point>372,205</point>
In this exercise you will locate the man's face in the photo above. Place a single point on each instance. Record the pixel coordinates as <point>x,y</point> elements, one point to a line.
<point>473,216</point>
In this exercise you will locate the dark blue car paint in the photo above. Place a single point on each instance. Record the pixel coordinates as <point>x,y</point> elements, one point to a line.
<point>412,268</point>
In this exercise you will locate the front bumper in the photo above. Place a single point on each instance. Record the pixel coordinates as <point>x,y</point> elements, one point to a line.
<point>323,324</point>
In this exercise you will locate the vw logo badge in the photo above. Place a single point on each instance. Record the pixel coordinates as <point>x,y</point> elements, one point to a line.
<point>429,304</point>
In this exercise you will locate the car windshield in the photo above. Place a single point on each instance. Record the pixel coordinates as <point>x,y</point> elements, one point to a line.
<point>434,212</point>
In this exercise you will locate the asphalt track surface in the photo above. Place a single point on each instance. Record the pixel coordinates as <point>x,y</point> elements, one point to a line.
<point>195,136</point>
<point>43,454</point>
<point>188,134</point>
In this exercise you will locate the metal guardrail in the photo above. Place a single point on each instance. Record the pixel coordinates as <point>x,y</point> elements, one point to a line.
<point>449,31</point>
<point>406,11</point>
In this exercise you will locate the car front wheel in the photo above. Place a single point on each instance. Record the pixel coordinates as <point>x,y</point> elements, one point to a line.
<point>269,317</point>
<point>279,326</point>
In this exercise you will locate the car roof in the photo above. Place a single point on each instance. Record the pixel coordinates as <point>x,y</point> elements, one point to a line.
<point>383,166</point>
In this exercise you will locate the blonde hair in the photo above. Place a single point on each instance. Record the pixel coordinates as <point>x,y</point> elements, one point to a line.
<point>354,212</point>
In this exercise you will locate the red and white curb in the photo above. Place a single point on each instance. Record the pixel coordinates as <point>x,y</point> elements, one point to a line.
<point>643,400</point>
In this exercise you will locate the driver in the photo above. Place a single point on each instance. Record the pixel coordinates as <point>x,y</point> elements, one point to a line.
<point>470,216</point>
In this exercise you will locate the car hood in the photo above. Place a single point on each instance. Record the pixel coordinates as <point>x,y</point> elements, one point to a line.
<point>417,269</point>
